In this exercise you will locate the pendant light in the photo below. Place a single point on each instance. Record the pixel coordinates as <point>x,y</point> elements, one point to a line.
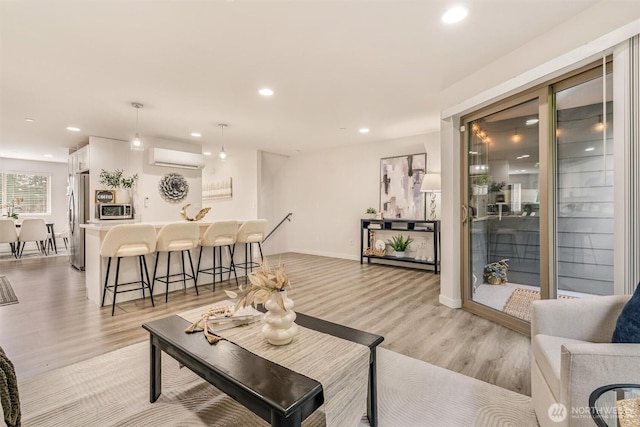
<point>222,155</point>
<point>136,142</point>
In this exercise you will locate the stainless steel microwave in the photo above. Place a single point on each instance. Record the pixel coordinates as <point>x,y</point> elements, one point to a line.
<point>114,211</point>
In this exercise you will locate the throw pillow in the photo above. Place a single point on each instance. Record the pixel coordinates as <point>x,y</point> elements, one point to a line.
<point>628,324</point>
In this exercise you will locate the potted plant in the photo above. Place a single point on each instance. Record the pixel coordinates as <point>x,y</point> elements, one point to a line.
<point>12,207</point>
<point>497,187</point>
<point>480,184</point>
<point>116,180</point>
<point>371,212</point>
<point>495,273</point>
<point>399,244</point>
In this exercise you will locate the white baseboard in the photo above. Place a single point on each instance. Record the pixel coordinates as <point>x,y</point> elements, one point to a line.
<point>327,254</point>
<point>449,302</point>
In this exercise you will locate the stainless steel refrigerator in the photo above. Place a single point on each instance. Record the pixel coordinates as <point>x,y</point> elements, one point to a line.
<point>78,213</point>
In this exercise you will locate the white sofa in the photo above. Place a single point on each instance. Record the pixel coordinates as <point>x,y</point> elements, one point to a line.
<point>572,355</point>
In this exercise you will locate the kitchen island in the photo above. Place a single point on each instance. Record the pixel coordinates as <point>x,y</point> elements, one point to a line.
<point>96,266</point>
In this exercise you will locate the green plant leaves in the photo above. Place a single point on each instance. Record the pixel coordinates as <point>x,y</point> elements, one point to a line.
<point>399,243</point>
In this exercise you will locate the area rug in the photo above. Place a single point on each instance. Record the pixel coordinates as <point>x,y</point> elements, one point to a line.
<point>519,303</point>
<point>113,389</point>
<point>7,296</point>
<point>32,253</point>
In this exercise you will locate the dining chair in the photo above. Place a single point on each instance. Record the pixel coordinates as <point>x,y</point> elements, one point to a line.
<point>9,234</point>
<point>33,230</point>
<point>64,235</point>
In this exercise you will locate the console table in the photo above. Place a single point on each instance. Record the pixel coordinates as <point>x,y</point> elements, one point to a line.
<point>401,226</point>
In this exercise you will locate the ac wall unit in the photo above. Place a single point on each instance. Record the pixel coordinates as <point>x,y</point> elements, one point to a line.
<point>175,159</point>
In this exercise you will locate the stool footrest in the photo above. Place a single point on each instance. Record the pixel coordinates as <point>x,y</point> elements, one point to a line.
<point>183,276</point>
<point>111,287</point>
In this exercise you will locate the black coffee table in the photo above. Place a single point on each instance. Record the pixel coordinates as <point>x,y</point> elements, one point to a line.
<point>276,394</point>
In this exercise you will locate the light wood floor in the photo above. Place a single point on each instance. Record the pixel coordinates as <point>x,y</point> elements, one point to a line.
<point>54,324</point>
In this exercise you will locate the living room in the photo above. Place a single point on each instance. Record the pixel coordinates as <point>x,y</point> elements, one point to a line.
<point>327,185</point>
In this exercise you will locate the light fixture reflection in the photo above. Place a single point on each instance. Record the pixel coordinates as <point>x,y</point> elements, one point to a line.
<point>516,137</point>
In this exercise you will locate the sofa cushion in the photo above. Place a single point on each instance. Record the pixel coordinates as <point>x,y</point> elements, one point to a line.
<point>628,324</point>
<point>547,352</point>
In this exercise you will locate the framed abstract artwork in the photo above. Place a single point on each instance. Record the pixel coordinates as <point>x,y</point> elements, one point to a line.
<point>400,181</point>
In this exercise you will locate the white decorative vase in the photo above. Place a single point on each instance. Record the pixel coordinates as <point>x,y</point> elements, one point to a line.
<point>399,254</point>
<point>123,195</point>
<point>279,327</point>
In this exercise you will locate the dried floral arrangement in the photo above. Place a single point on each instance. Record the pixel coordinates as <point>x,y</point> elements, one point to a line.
<point>265,282</point>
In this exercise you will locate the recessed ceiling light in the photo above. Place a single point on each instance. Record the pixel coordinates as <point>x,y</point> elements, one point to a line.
<point>455,14</point>
<point>363,130</point>
<point>73,129</point>
<point>48,155</point>
<point>28,120</point>
<point>265,91</point>
<point>590,149</point>
<point>196,134</point>
<point>531,122</point>
<point>207,153</point>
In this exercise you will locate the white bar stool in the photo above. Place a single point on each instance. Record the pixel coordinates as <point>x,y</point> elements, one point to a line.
<point>250,232</point>
<point>128,240</point>
<point>177,237</point>
<point>218,235</point>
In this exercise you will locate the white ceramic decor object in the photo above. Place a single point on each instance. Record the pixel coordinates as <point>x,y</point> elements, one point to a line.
<point>279,327</point>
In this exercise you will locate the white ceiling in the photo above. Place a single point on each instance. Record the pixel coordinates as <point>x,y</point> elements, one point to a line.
<point>335,66</point>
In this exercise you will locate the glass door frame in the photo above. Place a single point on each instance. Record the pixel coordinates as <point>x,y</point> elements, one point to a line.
<point>545,153</point>
<point>546,184</point>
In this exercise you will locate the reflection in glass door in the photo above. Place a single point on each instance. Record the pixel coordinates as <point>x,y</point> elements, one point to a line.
<point>584,187</point>
<point>503,221</point>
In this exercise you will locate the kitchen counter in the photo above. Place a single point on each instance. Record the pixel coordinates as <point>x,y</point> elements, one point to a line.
<point>96,266</point>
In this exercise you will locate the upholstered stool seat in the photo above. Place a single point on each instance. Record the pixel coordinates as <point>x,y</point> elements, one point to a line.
<point>123,241</point>
<point>176,237</point>
<point>218,235</point>
<point>251,232</point>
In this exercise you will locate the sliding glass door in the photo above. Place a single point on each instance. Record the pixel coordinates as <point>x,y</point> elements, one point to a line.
<point>538,199</point>
<point>503,214</point>
<point>584,185</point>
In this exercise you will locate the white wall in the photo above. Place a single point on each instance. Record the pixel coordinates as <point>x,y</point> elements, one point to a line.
<point>272,166</point>
<point>577,42</point>
<point>242,166</point>
<point>110,154</point>
<point>58,172</point>
<point>149,202</point>
<point>329,190</point>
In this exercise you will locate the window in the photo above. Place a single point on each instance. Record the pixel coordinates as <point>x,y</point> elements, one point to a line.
<point>25,193</point>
